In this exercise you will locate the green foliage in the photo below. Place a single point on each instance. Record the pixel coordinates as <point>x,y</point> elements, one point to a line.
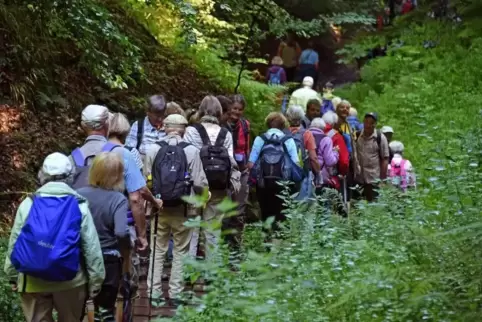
<point>9,300</point>
<point>409,257</point>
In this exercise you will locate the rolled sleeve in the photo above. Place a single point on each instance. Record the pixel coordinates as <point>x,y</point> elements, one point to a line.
<point>132,174</point>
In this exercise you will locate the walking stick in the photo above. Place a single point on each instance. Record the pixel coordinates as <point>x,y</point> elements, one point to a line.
<point>153,257</point>
<point>345,196</point>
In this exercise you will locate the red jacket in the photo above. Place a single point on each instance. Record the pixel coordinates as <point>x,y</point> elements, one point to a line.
<point>344,160</point>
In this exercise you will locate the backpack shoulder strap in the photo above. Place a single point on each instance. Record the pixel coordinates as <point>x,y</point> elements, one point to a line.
<point>109,146</point>
<point>129,148</point>
<point>140,132</point>
<point>78,157</point>
<point>183,144</point>
<point>202,133</point>
<point>331,133</point>
<point>221,137</point>
<point>162,143</point>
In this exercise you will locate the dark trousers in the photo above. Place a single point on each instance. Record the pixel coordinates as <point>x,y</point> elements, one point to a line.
<point>104,302</point>
<point>270,204</point>
<point>307,70</point>
<point>290,73</point>
<point>368,192</point>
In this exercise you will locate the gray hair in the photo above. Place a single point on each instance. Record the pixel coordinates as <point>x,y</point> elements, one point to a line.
<point>295,114</point>
<point>330,118</point>
<point>210,106</point>
<point>157,103</point>
<point>396,147</point>
<point>119,126</point>
<point>44,178</point>
<point>318,123</point>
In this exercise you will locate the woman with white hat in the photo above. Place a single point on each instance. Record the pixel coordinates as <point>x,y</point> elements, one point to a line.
<point>65,266</point>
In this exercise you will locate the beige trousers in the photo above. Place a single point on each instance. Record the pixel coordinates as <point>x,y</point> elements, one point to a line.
<point>171,221</point>
<point>209,214</point>
<point>70,305</point>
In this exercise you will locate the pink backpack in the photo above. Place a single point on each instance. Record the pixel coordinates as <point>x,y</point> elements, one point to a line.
<point>398,174</point>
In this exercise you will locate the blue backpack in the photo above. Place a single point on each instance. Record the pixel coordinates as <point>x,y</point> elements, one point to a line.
<point>274,163</point>
<point>81,177</point>
<point>275,78</point>
<point>48,246</point>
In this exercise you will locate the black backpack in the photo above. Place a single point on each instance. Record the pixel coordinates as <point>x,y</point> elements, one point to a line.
<point>170,174</point>
<point>215,159</point>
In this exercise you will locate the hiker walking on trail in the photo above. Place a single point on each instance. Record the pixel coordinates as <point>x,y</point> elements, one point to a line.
<point>60,219</point>
<point>173,153</point>
<point>349,135</point>
<point>289,51</point>
<point>400,170</point>
<point>148,130</point>
<point>295,115</point>
<point>353,120</point>
<point>302,95</point>
<point>95,122</point>
<point>274,158</point>
<point>373,153</point>
<point>240,130</point>
<point>308,64</point>
<point>108,207</point>
<point>342,168</point>
<point>306,146</point>
<point>327,155</point>
<point>276,75</point>
<point>216,146</point>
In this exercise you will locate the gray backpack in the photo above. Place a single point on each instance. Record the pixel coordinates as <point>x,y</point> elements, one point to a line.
<point>81,176</point>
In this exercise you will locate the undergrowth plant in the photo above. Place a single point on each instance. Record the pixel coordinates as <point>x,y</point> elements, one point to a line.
<point>407,257</point>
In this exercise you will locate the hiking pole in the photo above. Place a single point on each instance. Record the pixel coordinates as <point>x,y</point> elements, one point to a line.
<point>153,257</point>
<point>345,196</point>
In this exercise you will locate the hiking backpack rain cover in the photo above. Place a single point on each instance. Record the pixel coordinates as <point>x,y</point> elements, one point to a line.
<point>48,246</point>
<point>170,172</point>
<point>215,159</point>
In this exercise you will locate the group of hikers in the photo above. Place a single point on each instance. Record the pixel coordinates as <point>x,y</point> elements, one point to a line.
<point>80,234</point>
<point>293,64</point>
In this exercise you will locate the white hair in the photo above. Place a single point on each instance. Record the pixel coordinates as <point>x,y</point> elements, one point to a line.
<point>295,114</point>
<point>345,102</point>
<point>44,178</point>
<point>396,147</point>
<point>353,111</point>
<point>335,101</point>
<point>318,123</point>
<point>330,118</point>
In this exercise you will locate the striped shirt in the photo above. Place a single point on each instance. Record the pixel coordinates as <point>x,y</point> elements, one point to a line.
<point>150,136</point>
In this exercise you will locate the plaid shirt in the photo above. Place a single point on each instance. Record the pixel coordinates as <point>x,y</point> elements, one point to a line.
<point>151,135</point>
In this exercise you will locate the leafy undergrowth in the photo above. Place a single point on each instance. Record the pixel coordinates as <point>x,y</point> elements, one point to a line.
<point>407,257</point>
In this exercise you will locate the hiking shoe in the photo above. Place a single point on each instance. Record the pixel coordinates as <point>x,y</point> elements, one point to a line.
<point>157,299</point>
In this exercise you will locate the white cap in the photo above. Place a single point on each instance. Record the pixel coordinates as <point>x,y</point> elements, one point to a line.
<point>57,164</point>
<point>308,81</point>
<point>396,147</point>
<point>95,115</point>
<point>175,119</point>
<point>387,129</point>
